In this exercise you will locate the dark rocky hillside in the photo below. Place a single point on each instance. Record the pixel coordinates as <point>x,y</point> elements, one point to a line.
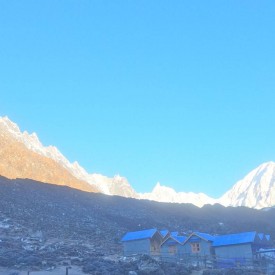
<point>42,225</point>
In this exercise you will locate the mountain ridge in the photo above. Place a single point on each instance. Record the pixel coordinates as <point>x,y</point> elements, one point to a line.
<point>256,190</point>
<point>32,142</point>
<point>18,161</point>
<point>163,193</point>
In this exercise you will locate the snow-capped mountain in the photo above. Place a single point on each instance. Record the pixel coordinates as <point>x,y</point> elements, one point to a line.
<point>110,186</point>
<point>256,190</point>
<point>18,161</point>
<point>166,194</point>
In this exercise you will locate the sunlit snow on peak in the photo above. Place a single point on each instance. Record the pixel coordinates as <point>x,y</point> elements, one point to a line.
<point>256,189</point>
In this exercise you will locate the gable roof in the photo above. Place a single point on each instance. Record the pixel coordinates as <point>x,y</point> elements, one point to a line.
<point>180,239</point>
<point>172,240</point>
<point>164,232</point>
<point>203,236</point>
<point>231,239</point>
<point>139,235</point>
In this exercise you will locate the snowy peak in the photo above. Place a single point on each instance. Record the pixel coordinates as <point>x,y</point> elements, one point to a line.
<point>161,189</point>
<point>31,141</point>
<point>256,190</point>
<point>121,186</point>
<point>110,186</point>
<point>19,158</point>
<point>9,125</point>
<point>166,194</point>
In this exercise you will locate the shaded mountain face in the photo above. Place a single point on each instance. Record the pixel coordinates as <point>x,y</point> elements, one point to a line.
<point>71,224</point>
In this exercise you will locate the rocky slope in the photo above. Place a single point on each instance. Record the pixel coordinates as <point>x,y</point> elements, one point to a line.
<point>43,225</point>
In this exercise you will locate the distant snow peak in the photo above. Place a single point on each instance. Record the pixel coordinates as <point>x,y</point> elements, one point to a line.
<point>163,193</point>
<point>158,185</point>
<point>255,190</point>
<point>118,178</point>
<point>162,188</point>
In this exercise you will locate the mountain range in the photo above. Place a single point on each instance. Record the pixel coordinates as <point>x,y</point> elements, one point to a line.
<point>22,155</point>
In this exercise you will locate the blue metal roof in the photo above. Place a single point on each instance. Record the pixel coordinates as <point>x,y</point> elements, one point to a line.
<point>139,235</point>
<point>205,236</point>
<point>267,237</point>
<point>170,241</point>
<point>174,233</point>
<point>180,239</point>
<point>164,232</point>
<point>231,239</point>
<point>173,240</point>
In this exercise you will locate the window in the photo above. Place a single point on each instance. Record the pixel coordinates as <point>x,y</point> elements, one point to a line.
<point>195,247</point>
<point>172,249</point>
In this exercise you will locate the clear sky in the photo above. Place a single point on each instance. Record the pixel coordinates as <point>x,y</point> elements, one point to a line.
<point>180,92</point>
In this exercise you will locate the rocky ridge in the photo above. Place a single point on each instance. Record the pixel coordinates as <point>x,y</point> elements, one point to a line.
<point>18,161</point>
<point>24,150</point>
<point>22,155</point>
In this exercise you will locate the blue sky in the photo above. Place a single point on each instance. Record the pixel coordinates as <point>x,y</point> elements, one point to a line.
<point>180,92</point>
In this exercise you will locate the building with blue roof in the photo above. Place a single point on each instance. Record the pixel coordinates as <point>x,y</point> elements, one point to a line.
<point>205,236</point>
<point>236,249</point>
<point>199,244</point>
<point>224,251</point>
<point>142,242</point>
<point>235,239</point>
<point>165,234</point>
<point>180,239</point>
<point>171,248</point>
